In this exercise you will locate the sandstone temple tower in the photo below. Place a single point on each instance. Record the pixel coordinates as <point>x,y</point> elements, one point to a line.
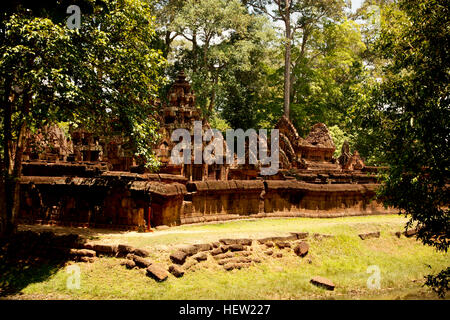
<point>181,113</point>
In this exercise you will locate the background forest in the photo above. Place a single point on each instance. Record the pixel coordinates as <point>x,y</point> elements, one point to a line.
<point>376,75</point>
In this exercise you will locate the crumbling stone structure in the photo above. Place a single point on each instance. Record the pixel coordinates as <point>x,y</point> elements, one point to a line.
<point>181,113</point>
<point>87,180</point>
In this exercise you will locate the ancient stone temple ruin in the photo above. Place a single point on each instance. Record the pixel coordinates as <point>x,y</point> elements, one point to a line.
<point>181,113</point>
<point>94,182</point>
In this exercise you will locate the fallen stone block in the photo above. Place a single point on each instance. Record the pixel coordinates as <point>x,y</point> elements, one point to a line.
<point>229,266</point>
<point>189,264</point>
<point>323,282</point>
<point>301,249</point>
<point>278,255</point>
<point>190,250</point>
<point>215,244</point>
<point>178,257</point>
<point>157,272</point>
<point>300,235</point>
<point>201,256</point>
<point>409,233</point>
<point>141,252</point>
<point>235,260</point>
<point>217,251</point>
<point>106,249</point>
<point>232,266</point>
<point>283,244</point>
<point>369,235</point>
<point>287,238</point>
<point>244,242</point>
<point>269,252</point>
<point>244,253</point>
<point>123,250</point>
<point>291,237</point>
<point>264,240</point>
<point>141,262</point>
<point>269,244</point>
<point>236,247</point>
<point>228,242</point>
<point>129,264</point>
<point>89,246</point>
<point>176,270</point>
<point>398,234</point>
<point>82,252</point>
<point>224,256</point>
<point>86,259</point>
<point>203,247</point>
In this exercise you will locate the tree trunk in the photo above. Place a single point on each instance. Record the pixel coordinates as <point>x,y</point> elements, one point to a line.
<point>6,198</point>
<point>194,49</point>
<point>295,64</point>
<point>287,60</point>
<point>12,165</point>
<point>212,102</point>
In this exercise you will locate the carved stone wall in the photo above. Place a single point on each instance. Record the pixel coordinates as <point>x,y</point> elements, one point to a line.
<point>129,201</point>
<point>114,201</point>
<point>321,200</point>
<point>216,200</point>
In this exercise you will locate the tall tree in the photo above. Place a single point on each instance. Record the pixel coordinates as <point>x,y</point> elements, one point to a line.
<point>299,18</point>
<point>411,119</point>
<point>216,32</point>
<point>329,76</point>
<point>104,74</point>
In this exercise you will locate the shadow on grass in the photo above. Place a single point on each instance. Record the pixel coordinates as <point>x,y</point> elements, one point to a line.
<point>29,257</point>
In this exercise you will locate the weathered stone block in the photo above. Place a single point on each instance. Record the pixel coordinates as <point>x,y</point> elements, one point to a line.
<point>236,247</point>
<point>190,250</point>
<point>283,244</point>
<point>176,270</point>
<point>301,249</point>
<point>141,252</point>
<point>202,256</point>
<point>178,257</point>
<point>244,242</point>
<point>369,235</point>
<point>217,251</point>
<point>82,252</point>
<point>300,235</point>
<point>203,247</point>
<point>140,262</point>
<point>157,272</point>
<point>87,259</point>
<point>106,249</point>
<point>269,244</point>
<point>411,232</point>
<point>323,282</point>
<point>129,264</point>
<point>123,250</point>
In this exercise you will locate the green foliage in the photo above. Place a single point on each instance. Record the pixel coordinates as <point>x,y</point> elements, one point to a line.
<point>220,37</point>
<point>439,282</point>
<point>103,76</point>
<point>339,137</point>
<point>218,123</point>
<point>329,77</point>
<point>410,117</point>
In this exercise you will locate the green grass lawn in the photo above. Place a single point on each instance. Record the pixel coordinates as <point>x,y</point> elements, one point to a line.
<point>403,262</point>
